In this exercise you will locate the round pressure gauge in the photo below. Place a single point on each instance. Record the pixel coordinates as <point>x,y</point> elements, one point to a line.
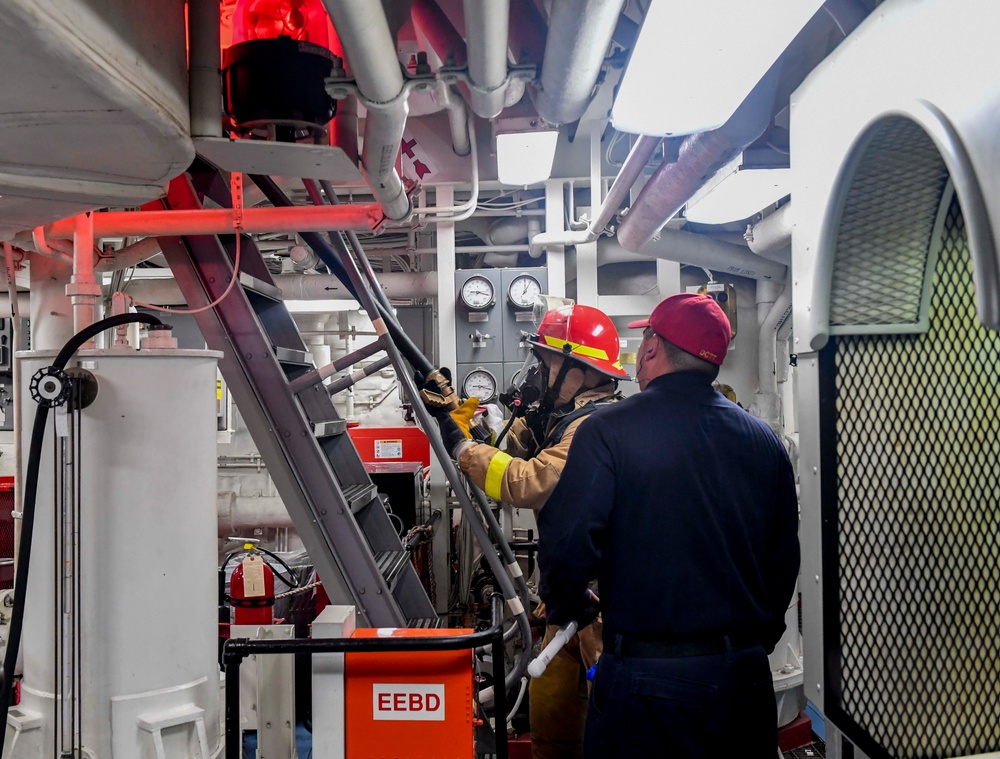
<point>481,384</point>
<point>524,291</point>
<point>477,293</point>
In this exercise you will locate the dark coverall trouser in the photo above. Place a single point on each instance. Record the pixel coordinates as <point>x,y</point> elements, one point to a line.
<point>691,707</point>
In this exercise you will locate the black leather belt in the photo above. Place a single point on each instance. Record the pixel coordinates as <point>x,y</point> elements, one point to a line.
<point>654,649</point>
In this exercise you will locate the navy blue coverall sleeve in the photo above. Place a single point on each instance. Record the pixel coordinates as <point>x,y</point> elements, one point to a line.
<point>572,524</point>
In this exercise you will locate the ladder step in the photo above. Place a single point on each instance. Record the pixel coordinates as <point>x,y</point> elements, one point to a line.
<point>293,357</point>
<point>424,623</point>
<point>259,287</point>
<point>329,429</point>
<point>360,495</point>
<point>391,564</point>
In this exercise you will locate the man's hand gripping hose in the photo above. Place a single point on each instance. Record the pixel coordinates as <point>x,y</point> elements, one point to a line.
<point>538,665</point>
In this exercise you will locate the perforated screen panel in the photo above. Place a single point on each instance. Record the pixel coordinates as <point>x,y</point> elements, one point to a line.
<point>891,205</point>
<point>911,449</point>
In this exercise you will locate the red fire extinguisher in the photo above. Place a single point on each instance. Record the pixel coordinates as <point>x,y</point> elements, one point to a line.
<point>251,590</point>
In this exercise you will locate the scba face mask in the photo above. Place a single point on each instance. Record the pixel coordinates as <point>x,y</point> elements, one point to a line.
<point>527,386</point>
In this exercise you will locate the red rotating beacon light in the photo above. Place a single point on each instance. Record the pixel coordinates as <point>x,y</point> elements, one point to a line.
<point>251,589</point>
<point>274,72</point>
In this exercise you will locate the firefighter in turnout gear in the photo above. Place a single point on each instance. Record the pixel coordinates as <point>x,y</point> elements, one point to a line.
<point>576,372</point>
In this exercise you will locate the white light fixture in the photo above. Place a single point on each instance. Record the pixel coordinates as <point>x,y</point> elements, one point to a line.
<point>524,152</point>
<point>320,306</point>
<point>696,60</point>
<point>737,192</point>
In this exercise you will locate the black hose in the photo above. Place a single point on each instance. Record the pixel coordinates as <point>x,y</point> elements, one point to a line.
<point>28,508</point>
<point>291,580</point>
<point>327,255</point>
<point>420,362</point>
<point>504,431</point>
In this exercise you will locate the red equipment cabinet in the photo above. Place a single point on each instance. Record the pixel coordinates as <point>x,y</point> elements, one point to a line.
<point>251,591</point>
<point>417,704</point>
<point>386,445</point>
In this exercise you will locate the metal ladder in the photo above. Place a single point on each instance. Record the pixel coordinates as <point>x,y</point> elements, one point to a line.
<point>322,481</point>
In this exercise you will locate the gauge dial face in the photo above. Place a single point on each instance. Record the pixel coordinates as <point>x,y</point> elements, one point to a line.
<point>477,293</point>
<point>524,291</point>
<point>481,384</point>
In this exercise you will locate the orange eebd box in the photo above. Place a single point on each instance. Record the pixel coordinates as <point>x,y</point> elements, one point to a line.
<point>409,705</point>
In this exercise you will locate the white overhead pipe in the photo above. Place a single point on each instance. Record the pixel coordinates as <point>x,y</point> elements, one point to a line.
<point>130,255</point>
<point>452,102</point>
<point>486,32</point>
<point>464,210</point>
<point>397,285</point>
<point>239,512</point>
<point>579,34</point>
<point>371,53</point>
<point>504,233</point>
<point>698,250</point>
<point>771,237</point>
<point>637,159</point>
<point>23,302</point>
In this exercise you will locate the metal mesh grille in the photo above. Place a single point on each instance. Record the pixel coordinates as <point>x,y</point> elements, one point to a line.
<point>885,231</point>
<point>6,536</point>
<point>918,526</point>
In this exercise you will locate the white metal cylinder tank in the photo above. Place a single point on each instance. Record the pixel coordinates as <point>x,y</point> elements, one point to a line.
<point>148,574</point>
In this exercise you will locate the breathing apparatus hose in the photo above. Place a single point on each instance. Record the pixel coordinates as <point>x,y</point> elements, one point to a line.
<point>28,508</point>
<point>517,600</point>
<point>326,254</point>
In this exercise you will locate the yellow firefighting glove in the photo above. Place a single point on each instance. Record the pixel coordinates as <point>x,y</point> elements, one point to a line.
<point>463,415</point>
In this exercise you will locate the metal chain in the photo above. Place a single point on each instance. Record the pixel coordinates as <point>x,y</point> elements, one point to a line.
<point>296,591</point>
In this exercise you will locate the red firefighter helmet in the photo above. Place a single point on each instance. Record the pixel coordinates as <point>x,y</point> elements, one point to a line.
<point>583,333</point>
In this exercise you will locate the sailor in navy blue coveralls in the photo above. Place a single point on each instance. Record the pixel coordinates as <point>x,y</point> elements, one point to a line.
<point>683,506</point>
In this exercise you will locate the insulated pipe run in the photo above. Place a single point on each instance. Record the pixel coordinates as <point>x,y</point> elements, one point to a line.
<point>698,250</point>
<point>131,255</point>
<point>487,24</point>
<point>446,42</point>
<point>204,44</point>
<point>371,53</point>
<point>218,221</point>
<point>441,34</point>
<point>60,250</point>
<point>700,156</point>
<point>579,34</point>
<point>630,172</point>
<point>396,285</point>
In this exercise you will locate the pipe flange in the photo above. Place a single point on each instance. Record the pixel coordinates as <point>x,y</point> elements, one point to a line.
<point>50,387</point>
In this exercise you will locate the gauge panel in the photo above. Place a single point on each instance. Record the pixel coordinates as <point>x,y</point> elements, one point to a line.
<point>478,293</point>
<point>523,291</point>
